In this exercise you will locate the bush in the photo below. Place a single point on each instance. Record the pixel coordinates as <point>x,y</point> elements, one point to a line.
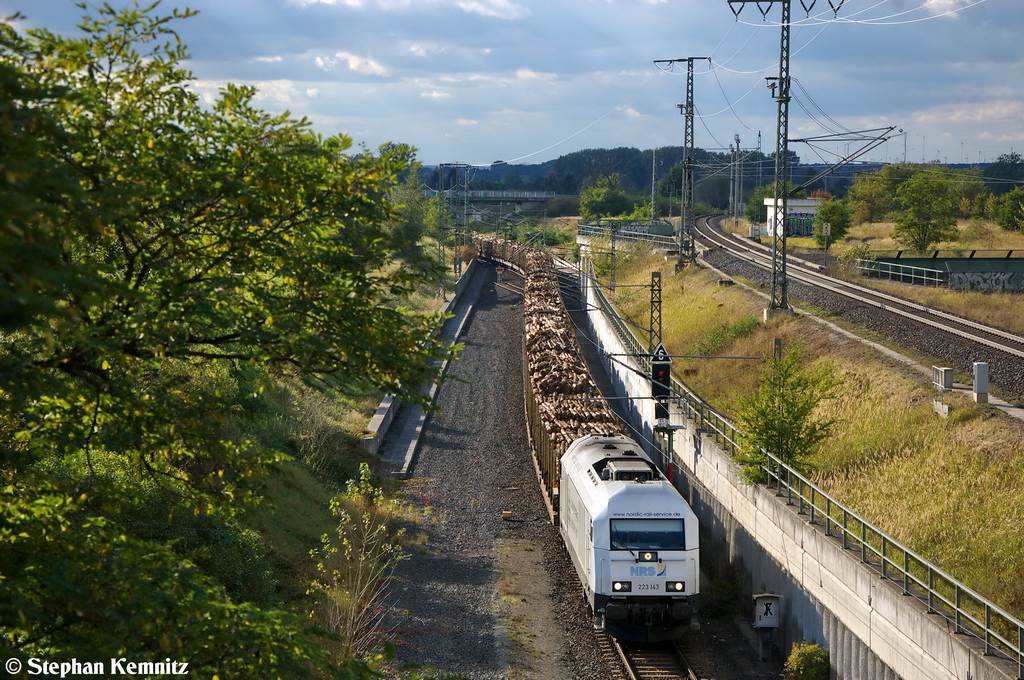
<point>807,662</point>
<point>563,206</point>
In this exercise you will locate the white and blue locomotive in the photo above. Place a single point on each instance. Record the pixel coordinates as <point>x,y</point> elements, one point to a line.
<point>632,539</point>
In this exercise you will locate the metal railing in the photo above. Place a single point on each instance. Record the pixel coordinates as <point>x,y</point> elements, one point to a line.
<point>661,241</point>
<point>901,272</point>
<point>972,614</point>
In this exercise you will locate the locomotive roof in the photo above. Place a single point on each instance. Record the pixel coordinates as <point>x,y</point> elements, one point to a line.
<point>588,456</point>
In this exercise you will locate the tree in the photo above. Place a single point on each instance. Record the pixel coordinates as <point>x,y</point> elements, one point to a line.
<point>147,241</point>
<point>928,215</point>
<point>756,211</point>
<point>872,194</point>
<point>601,197</point>
<point>780,419</point>
<point>1005,174</point>
<point>1010,214</point>
<point>837,214</point>
<point>409,223</point>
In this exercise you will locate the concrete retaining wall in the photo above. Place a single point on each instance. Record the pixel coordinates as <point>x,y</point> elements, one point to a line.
<point>828,596</point>
<point>381,421</point>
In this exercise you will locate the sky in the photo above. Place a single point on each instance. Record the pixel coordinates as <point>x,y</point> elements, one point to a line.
<point>526,81</point>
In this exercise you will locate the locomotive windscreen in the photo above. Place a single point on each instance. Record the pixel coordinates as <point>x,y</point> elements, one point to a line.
<point>647,534</point>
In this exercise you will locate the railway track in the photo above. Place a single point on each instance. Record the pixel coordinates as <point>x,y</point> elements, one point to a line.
<point>656,661</point>
<point>811,274</point>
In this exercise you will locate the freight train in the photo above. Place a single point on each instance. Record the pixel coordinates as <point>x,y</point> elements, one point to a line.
<point>631,536</point>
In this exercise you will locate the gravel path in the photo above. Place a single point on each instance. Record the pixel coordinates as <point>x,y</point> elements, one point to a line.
<point>481,595</point>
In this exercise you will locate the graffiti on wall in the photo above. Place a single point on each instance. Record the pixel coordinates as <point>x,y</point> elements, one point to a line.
<point>986,280</point>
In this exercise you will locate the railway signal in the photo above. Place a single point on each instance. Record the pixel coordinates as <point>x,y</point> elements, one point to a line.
<point>661,380</point>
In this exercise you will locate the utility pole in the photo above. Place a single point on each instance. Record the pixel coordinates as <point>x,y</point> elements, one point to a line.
<point>739,184</point>
<point>686,249</point>
<point>780,92</point>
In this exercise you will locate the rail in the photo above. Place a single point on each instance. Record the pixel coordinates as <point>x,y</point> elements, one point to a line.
<point>971,613</point>
<point>904,273</point>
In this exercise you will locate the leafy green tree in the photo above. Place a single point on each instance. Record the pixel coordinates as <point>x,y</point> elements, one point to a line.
<point>872,194</point>
<point>756,211</point>
<point>1010,215</point>
<point>602,197</point>
<point>409,223</point>
<point>146,239</point>
<point>780,417</point>
<point>929,211</point>
<point>1005,174</point>
<point>835,212</point>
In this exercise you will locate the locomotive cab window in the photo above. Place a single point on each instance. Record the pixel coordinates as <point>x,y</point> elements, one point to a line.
<point>647,534</point>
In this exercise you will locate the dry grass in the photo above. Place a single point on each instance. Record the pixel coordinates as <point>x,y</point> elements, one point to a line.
<point>952,490</point>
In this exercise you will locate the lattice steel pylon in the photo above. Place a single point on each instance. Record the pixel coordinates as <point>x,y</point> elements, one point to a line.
<point>780,91</point>
<point>654,336</point>
<point>687,252</point>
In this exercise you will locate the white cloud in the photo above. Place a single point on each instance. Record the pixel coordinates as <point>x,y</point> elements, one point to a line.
<point>363,65</point>
<point>269,59</point>
<point>972,112</point>
<point>280,91</point>
<point>466,121</point>
<point>499,9</point>
<point>633,113</point>
<point>312,92</point>
<point>436,95</point>
<point>527,74</point>
<point>944,6</point>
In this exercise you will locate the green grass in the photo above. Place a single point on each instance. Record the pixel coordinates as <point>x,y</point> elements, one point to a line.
<point>950,489</point>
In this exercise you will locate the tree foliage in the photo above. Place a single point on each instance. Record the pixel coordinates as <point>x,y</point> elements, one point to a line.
<point>146,241</point>
<point>838,215</point>
<point>779,418</point>
<point>1005,174</point>
<point>602,197</point>
<point>807,662</point>
<point>1010,214</point>
<point>929,211</point>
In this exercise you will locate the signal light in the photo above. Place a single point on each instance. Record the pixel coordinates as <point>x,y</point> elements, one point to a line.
<point>622,586</point>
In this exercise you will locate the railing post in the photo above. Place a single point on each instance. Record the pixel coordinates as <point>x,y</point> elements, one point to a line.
<point>906,572</point>
<point>988,629</point>
<point>800,495</point>
<point>884,543</point>
<point>959,627</point>
<point>812,504</point>
<point>863,541</point>
<point>1020,652</point>
<point>828,515</point>
<point>789,485</point>
<point>846,531</point>
<point>931,590</point>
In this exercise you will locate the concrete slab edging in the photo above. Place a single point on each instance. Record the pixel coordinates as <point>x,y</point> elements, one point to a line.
<point>401,454</point>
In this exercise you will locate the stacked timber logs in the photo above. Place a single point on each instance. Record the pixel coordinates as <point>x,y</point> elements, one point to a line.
<point>562,401</point>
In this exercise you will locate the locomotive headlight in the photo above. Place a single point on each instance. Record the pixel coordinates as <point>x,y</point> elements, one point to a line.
<point>675,586</point>
<point>622,586</point>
